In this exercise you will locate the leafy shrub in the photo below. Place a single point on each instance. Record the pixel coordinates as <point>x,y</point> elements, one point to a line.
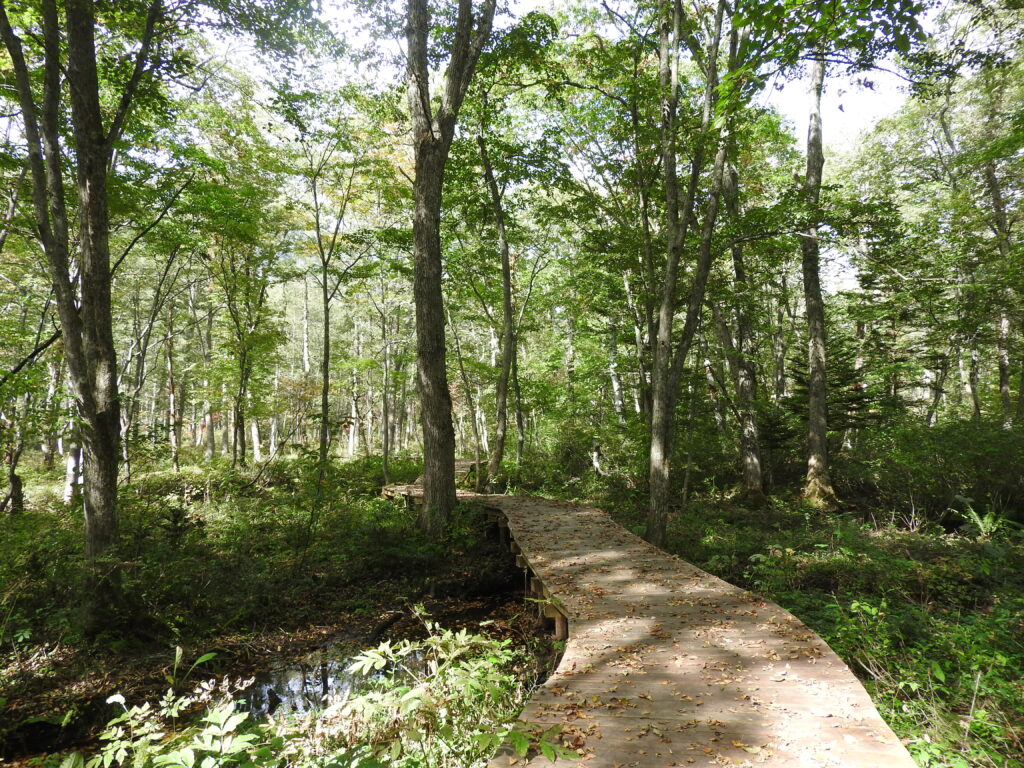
<point>447,700</point>
<point>916,470</point>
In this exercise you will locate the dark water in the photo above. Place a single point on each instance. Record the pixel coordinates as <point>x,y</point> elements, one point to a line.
<point>301,686</point>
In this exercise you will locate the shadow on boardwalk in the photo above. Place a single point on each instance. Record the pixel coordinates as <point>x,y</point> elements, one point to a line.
<point>666,665</point>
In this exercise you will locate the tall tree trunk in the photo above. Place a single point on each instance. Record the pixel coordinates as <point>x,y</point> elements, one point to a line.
<point>644,194</point>
<point>938,389</point>
<point>669,354</point>
<point>1003,359</point>
<point>508,341</point>
<point>85,315</point>
<point>641,347</point>
<point>818,486</point>
<point>433,128</point>
<point>481,419</point>
<point>613,374</point>
<point>355,418</point>
<point>254,433</point>
<point>432,373</point>
<point>472,406</point>
<point>274,418</point>
<point>780,345</point>
<point>305,326</point>
<point>743,360</point>
<point>402,413</point>
<point>1001,227</point>
<point>973,376</point>
<point>385,408</point>
<point>368,423</point>
<point>51,409</point>
<point>663,417</point>
<point>238,447</point>
<point>72,464</point>
<point>94,368</point>
<point>520,423</point>
<point>211,432</point>
<point>14,502</point>
<point>570,351</point>
<point>325,372</point>
<point>228,429</point>
<point>353,422</point>
<point>173,406</point>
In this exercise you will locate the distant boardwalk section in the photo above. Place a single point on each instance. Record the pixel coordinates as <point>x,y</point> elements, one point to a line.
<point>666,665</point>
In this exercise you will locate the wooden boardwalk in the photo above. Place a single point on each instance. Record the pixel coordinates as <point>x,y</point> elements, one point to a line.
<point>666,665</point>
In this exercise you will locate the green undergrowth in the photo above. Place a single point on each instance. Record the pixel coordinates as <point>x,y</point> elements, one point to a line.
<point>932,622</point>
<point>210,549</point>
<point>446,701</point>
<point>211,558</point>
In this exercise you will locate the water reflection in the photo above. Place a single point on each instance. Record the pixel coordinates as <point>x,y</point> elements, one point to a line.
<point>300,687</point>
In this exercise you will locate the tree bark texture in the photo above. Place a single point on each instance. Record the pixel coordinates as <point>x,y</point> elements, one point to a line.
<point>508,340</point>
<point>325,373</point>
<point>1001,228</point>
<point>818,485</point>
<point>670,353</point>
<point>472,407</point>
<point>744,356</point>
<point>84,309</point>
<point>433,128</point>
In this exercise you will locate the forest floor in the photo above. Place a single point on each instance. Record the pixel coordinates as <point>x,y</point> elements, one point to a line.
<point>260,566</point>
<point>212,571</point>
<point>57,695</point>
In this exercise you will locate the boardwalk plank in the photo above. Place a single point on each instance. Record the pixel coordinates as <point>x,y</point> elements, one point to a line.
<point>666,665</point>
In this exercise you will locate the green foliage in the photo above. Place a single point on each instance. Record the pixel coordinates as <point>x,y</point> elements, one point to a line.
<point>865,31</point>
<point>149,736</point>
<point>444,701</point>
<point>278,539</point>
<point>953,682</point>
<point>210,550</point>
<point>986,526</point>
<point>849,399</point>
<point>919,473</point>
<point>249,193</point>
